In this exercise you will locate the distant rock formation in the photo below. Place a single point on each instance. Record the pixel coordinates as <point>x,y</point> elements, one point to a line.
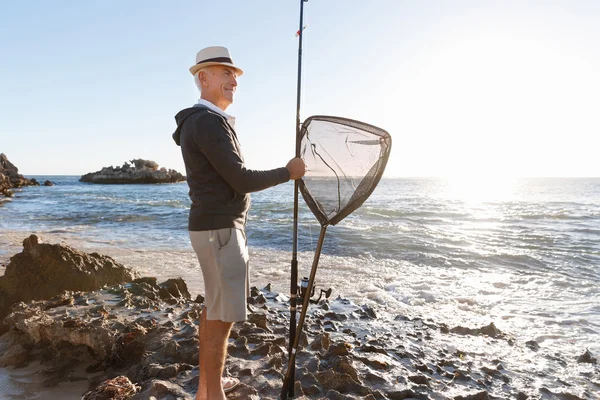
<point>142,171</point>
<point>42,271</point>
<point>10,177</point>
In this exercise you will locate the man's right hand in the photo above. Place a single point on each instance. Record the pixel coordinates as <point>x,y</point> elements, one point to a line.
<point>296,168</point>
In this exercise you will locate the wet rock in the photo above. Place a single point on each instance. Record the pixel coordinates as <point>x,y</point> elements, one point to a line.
<point>321,342</point>
<point>330,326</point>
<point>406,394</point>
<point>42,271</point>
<point>261,351</point>
<point>375,379</point>
<point>244,392</point>
<point>372,349</point>
<point>338,349</point>
<point>39,327</point>
<point>259,320</point>
<point>173,290</point>
<point>419,379</point>
<point>10,177</point>
<point>423,368</point>
<point>343,364</point>
<point>332,380</point>
<point>367,312</point>
<point>476,396</point>
<point>257,300</point>
<point>335,316</point>
<point>335,395</point>
<point>199,299</point>
<point>533,345</point>
<point>489,330</point>
<point>48,183</point>
<point>12,354</point>
<point>119,388</point>
<point>375,363</point>
<point>139,171</point>
<point>587,357</point>
<point>492,372</point>
<point>161,389</point>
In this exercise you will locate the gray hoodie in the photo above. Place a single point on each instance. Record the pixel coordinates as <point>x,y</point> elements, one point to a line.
<point>219,181</point>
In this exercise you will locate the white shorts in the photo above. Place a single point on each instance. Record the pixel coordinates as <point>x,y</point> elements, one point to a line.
<point>223,257</point>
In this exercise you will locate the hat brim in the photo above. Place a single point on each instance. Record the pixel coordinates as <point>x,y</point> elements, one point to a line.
<point>197,67</point>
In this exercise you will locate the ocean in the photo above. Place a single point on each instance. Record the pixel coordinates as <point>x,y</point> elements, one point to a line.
<point>521,253</point>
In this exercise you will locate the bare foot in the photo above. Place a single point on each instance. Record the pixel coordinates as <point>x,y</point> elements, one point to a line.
<point>229,384</point>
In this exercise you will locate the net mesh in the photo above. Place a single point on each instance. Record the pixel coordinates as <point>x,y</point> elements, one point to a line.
<point>345,161</point>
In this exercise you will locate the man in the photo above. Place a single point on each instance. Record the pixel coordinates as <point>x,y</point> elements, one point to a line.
<point>219,189</point>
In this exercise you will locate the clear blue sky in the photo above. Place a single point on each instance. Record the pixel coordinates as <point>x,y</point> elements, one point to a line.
<point>464,87</point>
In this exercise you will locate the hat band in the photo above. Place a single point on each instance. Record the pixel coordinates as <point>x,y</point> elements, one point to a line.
<point>216,59</point>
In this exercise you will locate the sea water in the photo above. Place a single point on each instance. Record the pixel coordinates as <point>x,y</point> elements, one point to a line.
<point>522,253</point>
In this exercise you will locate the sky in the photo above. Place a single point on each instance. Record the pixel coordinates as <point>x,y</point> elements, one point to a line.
<point>465,88</point>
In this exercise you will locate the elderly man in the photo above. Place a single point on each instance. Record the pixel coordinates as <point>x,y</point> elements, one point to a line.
<point>219,185</point>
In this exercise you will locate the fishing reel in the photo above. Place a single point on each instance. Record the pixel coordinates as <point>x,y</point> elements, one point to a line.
<point>303,291</point>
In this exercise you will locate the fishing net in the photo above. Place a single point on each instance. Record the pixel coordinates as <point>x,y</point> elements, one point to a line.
<point>345,161</point>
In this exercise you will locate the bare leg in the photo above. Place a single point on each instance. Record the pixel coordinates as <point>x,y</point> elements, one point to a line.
<point>202,394</point>
<point>215,340</point>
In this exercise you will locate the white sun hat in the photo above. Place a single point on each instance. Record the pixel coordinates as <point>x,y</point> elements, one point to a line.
<point>214,55</point>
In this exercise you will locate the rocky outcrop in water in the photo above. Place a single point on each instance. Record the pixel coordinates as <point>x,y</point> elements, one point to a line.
<point>10,177</point>
<point>139,171</point>
<point>42,271</point>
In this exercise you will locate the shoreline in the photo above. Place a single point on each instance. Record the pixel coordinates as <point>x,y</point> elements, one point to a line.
<point>420,325</point>
<point>347,351</point>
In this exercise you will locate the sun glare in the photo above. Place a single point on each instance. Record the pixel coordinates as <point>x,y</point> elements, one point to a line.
<point>502,103</point>
<point>480,189</point>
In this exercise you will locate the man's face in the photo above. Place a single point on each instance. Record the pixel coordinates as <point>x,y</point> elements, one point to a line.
<point>218,85</point>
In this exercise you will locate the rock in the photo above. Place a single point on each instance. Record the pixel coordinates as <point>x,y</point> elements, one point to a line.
<point>533,345</point>
<point>332,380</point>
<point>344,365</point>
<point>174,290</point>
<point>489,330</point>
<point>419,379</point>
<point>48,183</point>
<point>476,396</point>
<point>5,186</point>
<point>160,389</point>
<point>243,392</point>
<point>119,388</point>
<point>321,342</point>
<point>587,357</point>
<point>42,271</point>
<point>367,312</point>
<point>549,394</point>
<point>11,354</point>
<point>259,320</point>
<point>10,177</point>
<point>339,349</point>
<point>405,394</point>
<point>142,171</point>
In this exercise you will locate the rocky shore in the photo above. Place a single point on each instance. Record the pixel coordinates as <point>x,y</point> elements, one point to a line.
<point>135,338</point>
<point>139,171</point>
<point>10,178</point>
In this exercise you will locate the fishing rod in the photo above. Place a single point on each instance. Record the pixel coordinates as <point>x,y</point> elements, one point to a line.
<point>294,263</point>
<point>350,157</point>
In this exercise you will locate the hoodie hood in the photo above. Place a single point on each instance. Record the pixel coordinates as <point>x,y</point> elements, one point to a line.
<point>180,119</point>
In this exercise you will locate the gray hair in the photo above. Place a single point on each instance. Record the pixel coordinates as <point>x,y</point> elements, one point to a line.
<point>197,77</point>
